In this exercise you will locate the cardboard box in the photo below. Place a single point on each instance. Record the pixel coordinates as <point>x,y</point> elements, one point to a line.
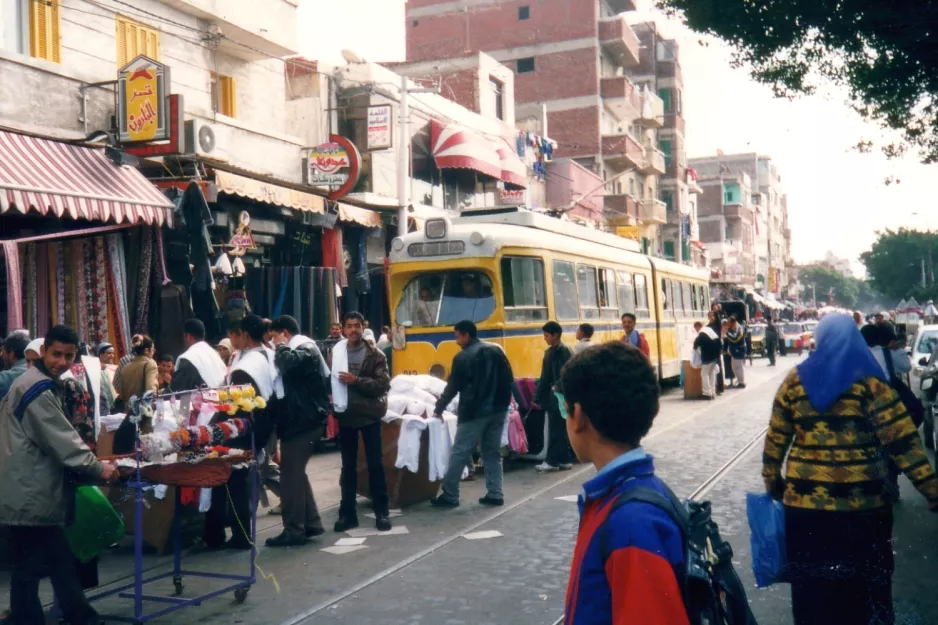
<point>693,383</point>
<point>404,488</point>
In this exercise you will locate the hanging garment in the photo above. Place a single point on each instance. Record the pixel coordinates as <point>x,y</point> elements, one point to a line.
<point>339,365</point>
<point>142,297</point>
<point>11,255</point>
<point>117,269</point>
<point>519,144</point>
<point>31,289</point>
<point>442,437</point>
<point>78,255</point>
<point>43,290</point>
<point>341,272</point>
<point>100,301</point>
<point>408,441</point>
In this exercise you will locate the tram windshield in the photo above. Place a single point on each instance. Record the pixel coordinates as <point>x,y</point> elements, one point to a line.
<point>443,298</point>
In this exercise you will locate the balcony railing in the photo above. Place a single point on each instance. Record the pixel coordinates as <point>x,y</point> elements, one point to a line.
<point>622,97</point>
<point>652,110</point>
<point>738,211</point>
<point>653,163</point>
<point>623,151</point>
<point>618,39</point>
<point>621,208</point>
<point>652,212</point>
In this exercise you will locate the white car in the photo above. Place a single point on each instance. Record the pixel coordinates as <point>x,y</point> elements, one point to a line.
<point>921,349</point>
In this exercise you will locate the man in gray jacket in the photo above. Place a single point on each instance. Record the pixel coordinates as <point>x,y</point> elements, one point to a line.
<point>38,446</point>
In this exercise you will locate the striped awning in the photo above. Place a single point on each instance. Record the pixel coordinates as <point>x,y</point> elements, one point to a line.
<point>514,171</point>
<point>455,147</point>
<point>82,183</point>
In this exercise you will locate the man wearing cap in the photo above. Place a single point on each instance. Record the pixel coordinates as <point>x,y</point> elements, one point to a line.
<point>14,360</point>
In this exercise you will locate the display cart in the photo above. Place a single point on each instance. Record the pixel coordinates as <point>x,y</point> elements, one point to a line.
<point>143,478</point>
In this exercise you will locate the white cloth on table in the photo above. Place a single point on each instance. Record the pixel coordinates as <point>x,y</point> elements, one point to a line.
<point>424,396</point>
<point>418,408</point>
<point>408,443</point>
<point>442,437</point>
<point>339,365</point>
<point>397,404</point>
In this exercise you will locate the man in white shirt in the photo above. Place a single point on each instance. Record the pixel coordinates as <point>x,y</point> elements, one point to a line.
<point>584,337</point>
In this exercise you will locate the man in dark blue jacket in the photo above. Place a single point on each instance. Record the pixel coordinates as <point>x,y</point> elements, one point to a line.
<point>481,375</point>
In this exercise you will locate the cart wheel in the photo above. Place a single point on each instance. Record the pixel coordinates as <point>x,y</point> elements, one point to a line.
<point>179,586</point>
<point>241,594</point>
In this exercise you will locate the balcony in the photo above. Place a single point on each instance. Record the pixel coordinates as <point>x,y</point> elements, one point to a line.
<point>692,185</point>
<point>621,209</point>
<point>652,212</point>
<point>623,151</point>
<point>653,163</point>
<point>621,6</point>
<point>251,31</point>
<point>675,121</point>
<point>621,97</point>
<point>669,69</point>
<point>738,211</point>
<point>618,40</point>
<point>651,113</point>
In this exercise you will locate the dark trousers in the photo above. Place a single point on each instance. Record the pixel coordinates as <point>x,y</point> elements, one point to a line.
<point>38,552</point>
<point>558,445</point>
<point>231,506</point>
<point>840,565</point>
<point>770,352</point>
<point>378,485</point>
<point>300,513</point>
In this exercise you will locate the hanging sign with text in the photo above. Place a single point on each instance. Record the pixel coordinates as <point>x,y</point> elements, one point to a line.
<point>142,105</point>
<point>379,127</point>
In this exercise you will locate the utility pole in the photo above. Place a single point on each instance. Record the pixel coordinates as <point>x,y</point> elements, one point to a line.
<point>924,284</point>
<point>403,155</point>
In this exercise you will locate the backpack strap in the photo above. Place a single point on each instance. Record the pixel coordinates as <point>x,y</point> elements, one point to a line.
<point>670,505</point>
<point>31,394</point>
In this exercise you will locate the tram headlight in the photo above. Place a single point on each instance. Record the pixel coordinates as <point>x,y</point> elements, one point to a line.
<point>397,244</point>
<point>476,238</point>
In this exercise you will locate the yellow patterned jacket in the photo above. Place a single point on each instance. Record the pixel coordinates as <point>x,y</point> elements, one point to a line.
<point>835,461</point>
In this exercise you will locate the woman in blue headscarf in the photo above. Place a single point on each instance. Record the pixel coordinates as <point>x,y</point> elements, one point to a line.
<point>833,416</point>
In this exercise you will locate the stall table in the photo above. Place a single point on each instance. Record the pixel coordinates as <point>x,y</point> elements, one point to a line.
<point>404,488</point>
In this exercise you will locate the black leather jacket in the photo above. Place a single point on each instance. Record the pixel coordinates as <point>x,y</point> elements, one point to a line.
<point>305,402</point>
<point>482,376</point>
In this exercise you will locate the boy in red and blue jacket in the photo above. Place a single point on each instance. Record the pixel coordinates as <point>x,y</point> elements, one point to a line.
<point>627,563</point>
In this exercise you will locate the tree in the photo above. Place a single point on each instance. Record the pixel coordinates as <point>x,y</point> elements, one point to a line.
<point>883,52</point>
<point>895,261</point>
<point>827,280</point>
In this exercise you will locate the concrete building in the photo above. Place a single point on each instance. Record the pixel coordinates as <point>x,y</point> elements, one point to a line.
<point>767,217</point>
<point>571,63</point>
<point>726,215</point>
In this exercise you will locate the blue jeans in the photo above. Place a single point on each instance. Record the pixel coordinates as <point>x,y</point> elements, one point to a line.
<point>488,431</point>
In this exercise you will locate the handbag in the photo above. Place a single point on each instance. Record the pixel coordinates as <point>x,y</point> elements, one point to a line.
<point>97,525</point>
<point>696,359</point>
<point>767,538</point>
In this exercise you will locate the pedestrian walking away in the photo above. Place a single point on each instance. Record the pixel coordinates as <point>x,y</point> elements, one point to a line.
<point>300,409</point>
<point>832,416</point>
<point>360,385</point>
<point>39,447</point>
<point>713,322</point>
<point>628,554</point>
<point>481,376</point>
<point>708,342</point>
<point>771,341</point>
<point>736,347</point>
<point>555,357</point>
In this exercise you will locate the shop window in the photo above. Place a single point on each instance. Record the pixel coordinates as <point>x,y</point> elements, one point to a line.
<point>626,292</point>
<point>443,298</point>
<point>524,13</point>
<point>224,95</point>
<point>523,289</point>
<point>608,296</point>
<point>641,296</point>
<point>498,92</point>
<point>587,289</point>
<point>44,30</point>
<point>566,305</point>
<point>526,66</point>
<point>134,39</point>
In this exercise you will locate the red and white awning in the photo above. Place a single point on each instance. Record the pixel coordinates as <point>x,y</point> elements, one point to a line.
<point>514,171</point>
<point>82,183</point>
<point>461,148</point>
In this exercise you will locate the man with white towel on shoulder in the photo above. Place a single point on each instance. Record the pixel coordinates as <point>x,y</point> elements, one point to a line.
<point>200,365</point>
<point>360,385</point>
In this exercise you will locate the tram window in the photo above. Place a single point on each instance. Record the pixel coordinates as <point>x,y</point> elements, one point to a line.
<point>566,305</point>
<point>626,293</point>
<point>693,298</point>
<point>523,289</point>
<point>608,298</point>
<point>445,297</point>
<point>586,287</point>
<point>665,294</point>
<point>641,296</point>
<point>688,306</point>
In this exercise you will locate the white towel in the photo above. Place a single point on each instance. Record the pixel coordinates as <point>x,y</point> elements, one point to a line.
<point>256,363</point>
<point>442,437</point>
<point>339,365</point>
<point>207,362</point>
<point>408,443</point>
<point>295,342</point>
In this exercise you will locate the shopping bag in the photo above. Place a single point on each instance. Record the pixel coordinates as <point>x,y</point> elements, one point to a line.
<point>97,525</point>
<point>766,537</point>
<point>696,358</point>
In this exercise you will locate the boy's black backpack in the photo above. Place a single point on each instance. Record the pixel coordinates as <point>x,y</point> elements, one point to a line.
<point>713,592</point>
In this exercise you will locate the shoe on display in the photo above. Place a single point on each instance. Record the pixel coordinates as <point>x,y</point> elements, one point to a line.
<point>344,524</point>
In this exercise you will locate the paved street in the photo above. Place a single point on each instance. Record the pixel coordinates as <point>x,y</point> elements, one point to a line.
<point>433,576</point>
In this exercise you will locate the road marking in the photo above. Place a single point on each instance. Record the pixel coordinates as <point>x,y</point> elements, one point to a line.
<point>341,551</point>
<point>482,535</point>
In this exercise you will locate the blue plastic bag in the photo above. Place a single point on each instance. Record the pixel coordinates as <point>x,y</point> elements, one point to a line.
<point>767,537</point>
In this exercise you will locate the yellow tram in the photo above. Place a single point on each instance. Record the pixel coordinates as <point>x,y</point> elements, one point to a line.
<point>512,272</point>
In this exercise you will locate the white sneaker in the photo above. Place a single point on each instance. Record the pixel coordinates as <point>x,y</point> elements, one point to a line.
<point>546,468</point>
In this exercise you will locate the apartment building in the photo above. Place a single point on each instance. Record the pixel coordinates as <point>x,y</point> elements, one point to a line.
<point>725,213</point>
<point>571,63</point>
<point>766,218</point>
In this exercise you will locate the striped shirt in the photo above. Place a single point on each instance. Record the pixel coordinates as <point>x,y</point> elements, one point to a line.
<point>836,461</point>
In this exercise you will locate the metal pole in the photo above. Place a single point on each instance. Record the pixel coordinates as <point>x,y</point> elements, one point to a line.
<point>679,252</point>
<point>403,163</point>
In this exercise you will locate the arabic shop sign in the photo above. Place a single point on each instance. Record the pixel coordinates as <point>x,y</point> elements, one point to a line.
<point>336,165</point>
<point>379,127</point>
<point>242,240</point>
<point>142,104</point>
<point>511,197</point>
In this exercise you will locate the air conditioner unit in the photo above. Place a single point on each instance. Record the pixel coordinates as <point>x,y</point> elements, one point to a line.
<point>206,138</point>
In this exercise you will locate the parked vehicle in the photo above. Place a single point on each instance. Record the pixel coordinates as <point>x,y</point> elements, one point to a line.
<point>921,349</point>
<point>810,326</point>
<point>757,334</point>
<point>795,338</point>
<point>928,390</point>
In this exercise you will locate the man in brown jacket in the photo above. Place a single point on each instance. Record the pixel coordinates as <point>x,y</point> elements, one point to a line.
<point>360,385</point>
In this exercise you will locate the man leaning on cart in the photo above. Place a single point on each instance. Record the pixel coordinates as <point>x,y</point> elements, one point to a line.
<point>38,447</point>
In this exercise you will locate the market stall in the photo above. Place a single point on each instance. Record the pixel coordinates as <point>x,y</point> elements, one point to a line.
<point>182,445</point>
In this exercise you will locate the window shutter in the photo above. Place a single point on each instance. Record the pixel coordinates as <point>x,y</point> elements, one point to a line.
<point>134,39</point>
<point>229,97</point>
<point>121,43</point>
<point>44,30</point>
<point>52,21</point>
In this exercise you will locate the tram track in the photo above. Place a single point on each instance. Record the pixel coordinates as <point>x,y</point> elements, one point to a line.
<point>707,485</point>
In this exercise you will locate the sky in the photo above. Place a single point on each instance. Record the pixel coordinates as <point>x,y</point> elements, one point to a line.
<point>837,198</point>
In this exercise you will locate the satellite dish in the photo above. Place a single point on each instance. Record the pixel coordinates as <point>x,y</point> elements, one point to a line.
<point>351,57</point>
